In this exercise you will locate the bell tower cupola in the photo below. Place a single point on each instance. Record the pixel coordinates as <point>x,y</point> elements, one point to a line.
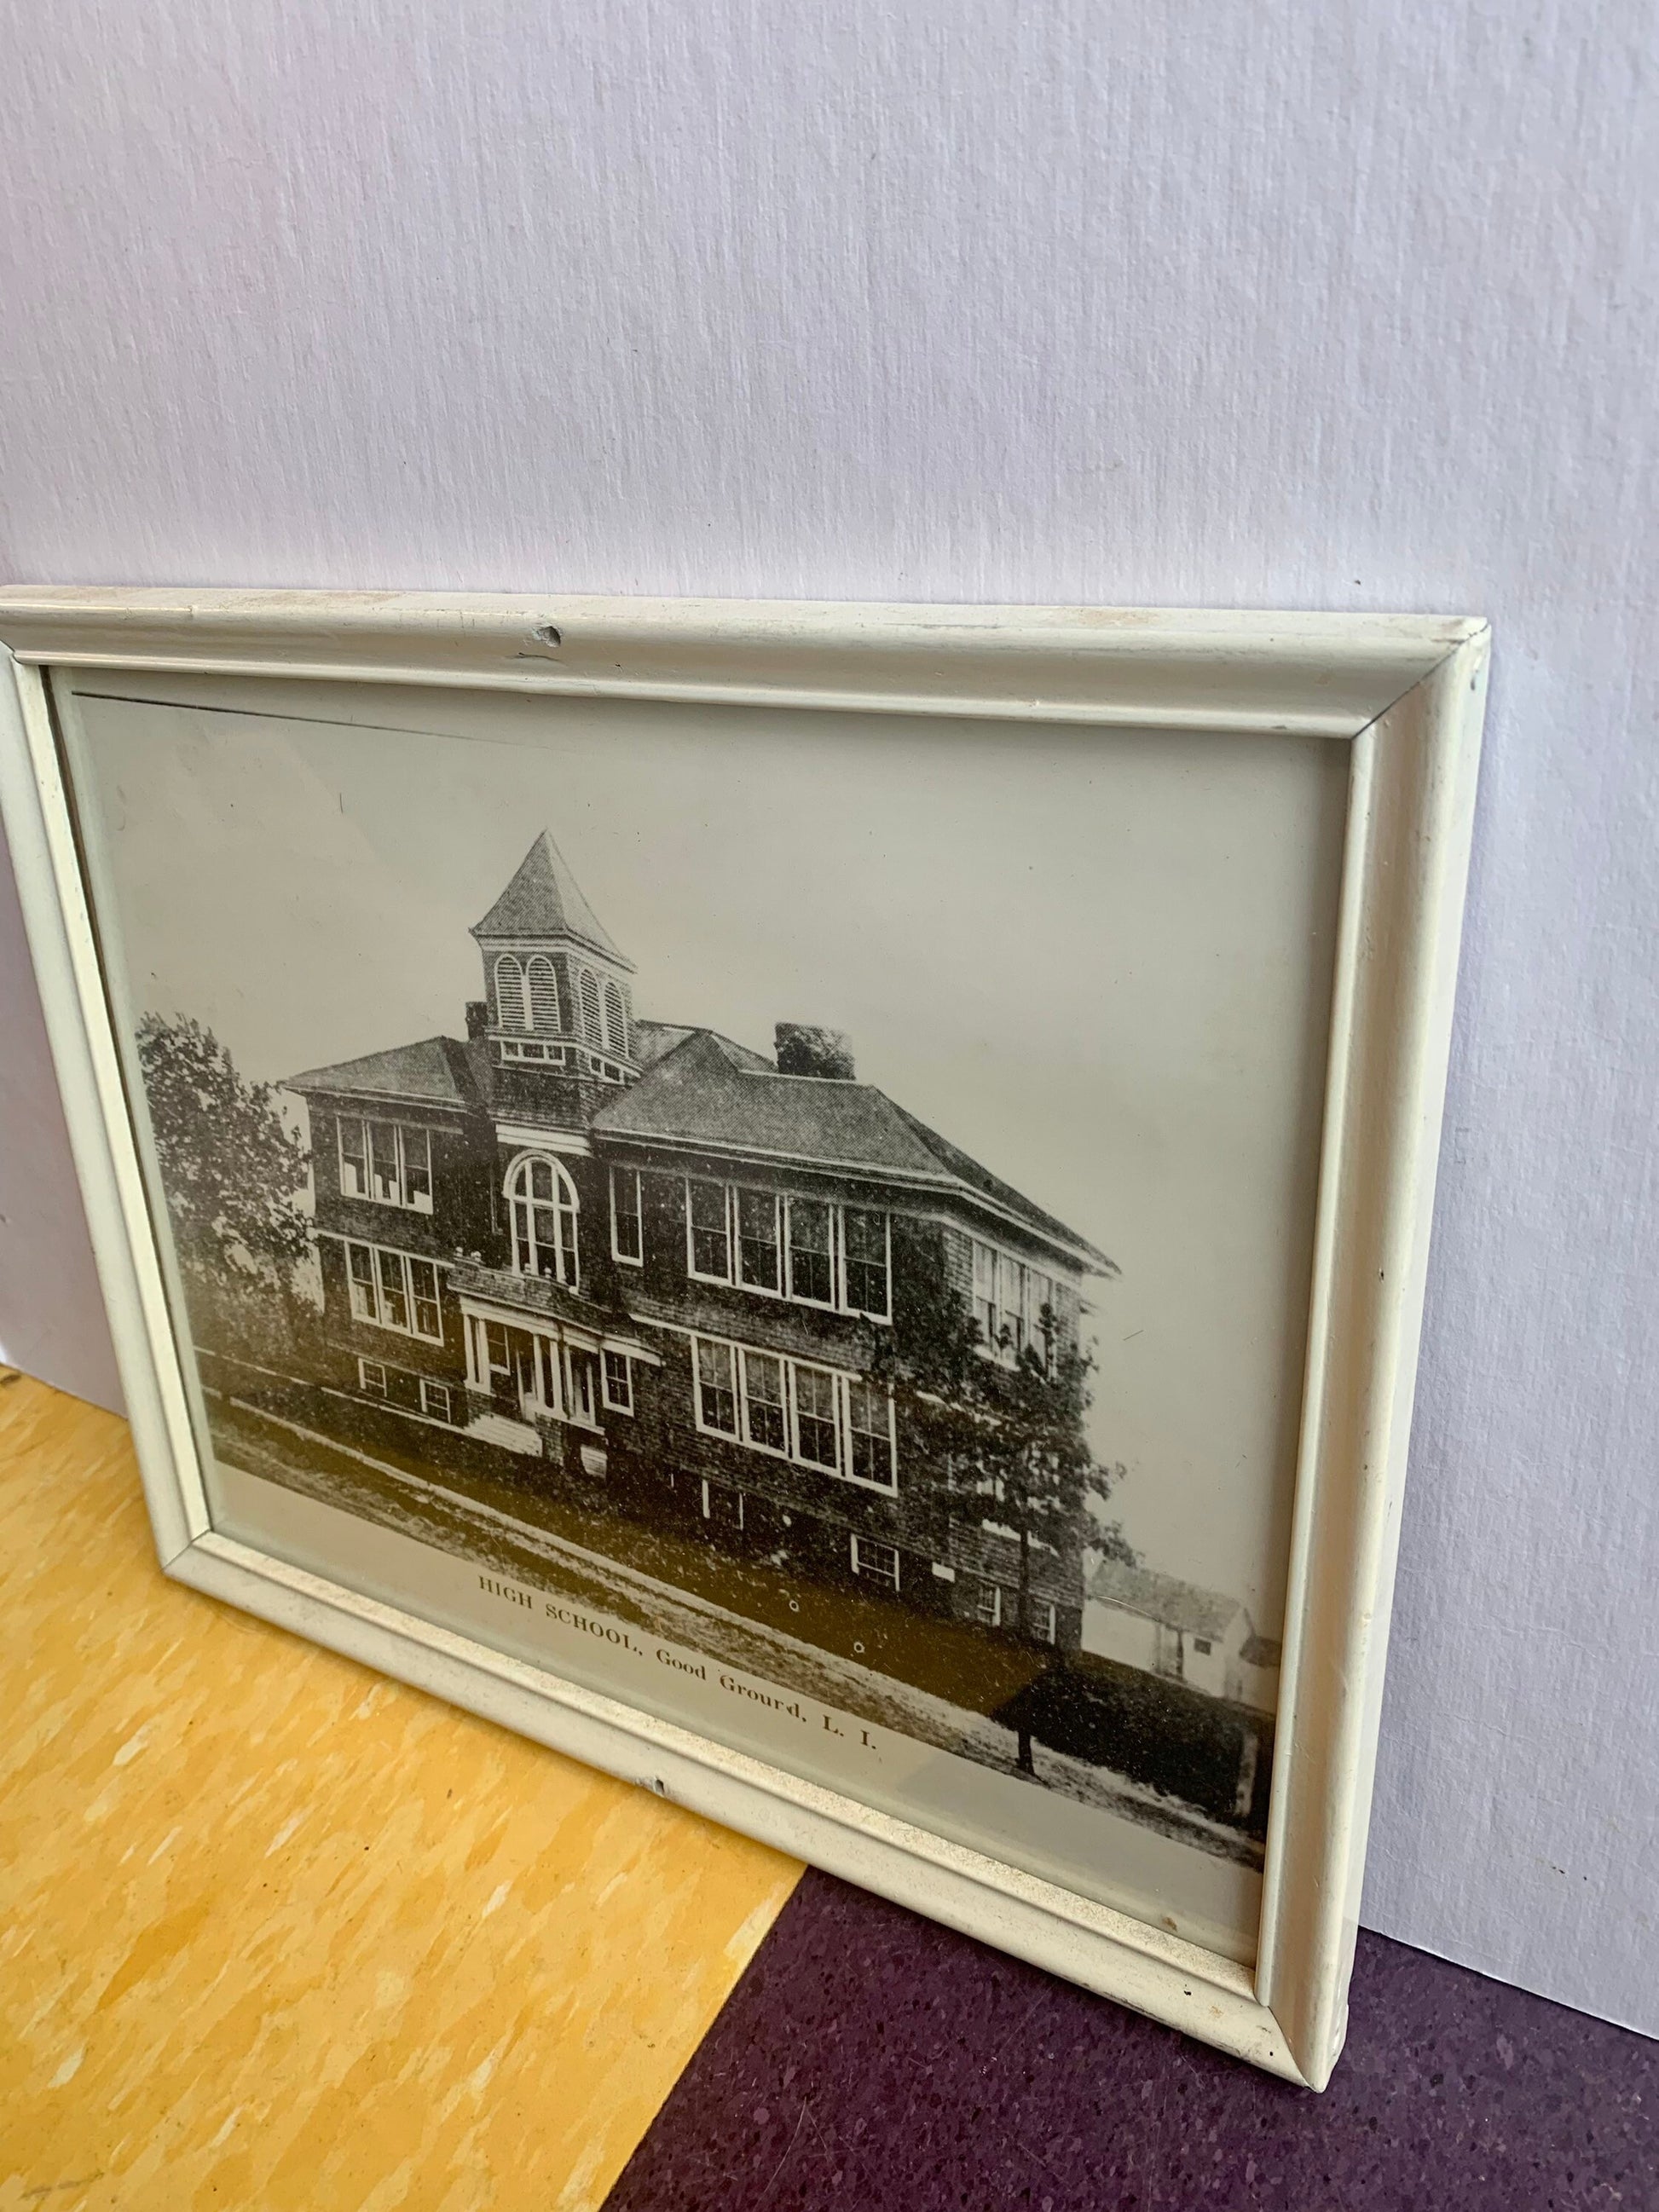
<point>556,989</point>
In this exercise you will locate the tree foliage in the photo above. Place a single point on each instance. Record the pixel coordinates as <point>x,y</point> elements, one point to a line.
<point>1009,1429</point>
<point>231,1169</point>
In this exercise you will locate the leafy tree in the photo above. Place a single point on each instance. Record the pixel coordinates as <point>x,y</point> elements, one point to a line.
<point>231,1169</point>
<point>1009,1430</point>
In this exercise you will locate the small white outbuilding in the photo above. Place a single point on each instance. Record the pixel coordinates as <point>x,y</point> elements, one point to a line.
<point>1165,1626</point>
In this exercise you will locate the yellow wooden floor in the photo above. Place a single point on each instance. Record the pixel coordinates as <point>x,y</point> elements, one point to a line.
<point>276,1933</point>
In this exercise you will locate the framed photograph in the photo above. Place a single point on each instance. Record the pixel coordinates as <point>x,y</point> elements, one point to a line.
<point>824,1207</point>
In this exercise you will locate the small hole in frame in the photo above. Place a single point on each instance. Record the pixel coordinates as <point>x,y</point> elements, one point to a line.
<point>547,634</point>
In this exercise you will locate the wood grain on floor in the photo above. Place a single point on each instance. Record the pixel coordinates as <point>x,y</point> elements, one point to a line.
<point>276,1932</point>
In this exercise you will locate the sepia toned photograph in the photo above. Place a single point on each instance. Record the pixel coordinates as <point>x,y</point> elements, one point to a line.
<point>822,1212</point>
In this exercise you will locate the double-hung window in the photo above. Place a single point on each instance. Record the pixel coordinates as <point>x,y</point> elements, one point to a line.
<point>495,1355</point>
<point>394,1290</point>
<point>618,1382</point>
<point>627,1217</point>
<point>392,1282</point>
<point>833,1422</point>
<point>1011,1302</point>
<point>812,1252</point>
<point>1017,1307</point>
<point>764,1419</point>
<point>390,1161</point>
<point>874,1562</point>
<point>354,1156</point>
<point>867,1274</point>
<point>717,1394</point>
<point>710,1232</point>
<point>815,1439</point>
<point>985,1294</point>
<point>759,1245</point>
<point>870,1433</point>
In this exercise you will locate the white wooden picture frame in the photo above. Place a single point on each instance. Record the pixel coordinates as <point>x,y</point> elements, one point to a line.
<point>1403,696</point>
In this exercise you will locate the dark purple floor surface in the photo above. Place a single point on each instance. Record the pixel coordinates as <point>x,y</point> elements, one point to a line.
<point>868,2059</point>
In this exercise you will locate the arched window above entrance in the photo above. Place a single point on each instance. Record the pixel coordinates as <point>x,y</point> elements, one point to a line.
<point>544,1204</point>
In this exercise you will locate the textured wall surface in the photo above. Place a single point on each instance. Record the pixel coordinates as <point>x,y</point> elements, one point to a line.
<point>1298,304</point>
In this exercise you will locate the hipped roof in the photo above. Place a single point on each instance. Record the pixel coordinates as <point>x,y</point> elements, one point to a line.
<point>708,1095</point>
<point>545,900</point>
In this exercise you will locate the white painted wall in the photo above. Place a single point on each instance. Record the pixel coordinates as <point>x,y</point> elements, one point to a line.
<point>1330,305</point>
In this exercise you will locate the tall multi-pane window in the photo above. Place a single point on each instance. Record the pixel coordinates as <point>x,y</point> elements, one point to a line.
<point>544,1204</point>
<point>496,1353</point>
<point>388,1161</point>
<point>763,1401</point>
<point>588,989</point>
<point>543,989</point>
<point>836,1423</point>
<point>394,1293</point>
<point>618,1382</point>
<point>1018,1307</point>
<point>394,1290</point>
<point>870,1433</point>
<point>815,1417</point>
<point>811,1267</point>
<point>511,1013</point>
<point>423,1295</point>
<point>1011,1302</point>
<point>627,1218</point>
<point>864,1245</point>
<point>353,1157</point>
<point>985,1293</point>
<point>710,1231</point>
<point>415,1160</point>
<point>717,1397</point>
<point>757,1240</point>
<point>615,1020</point>
<point>384,1182</point>
<point>812,1250</point>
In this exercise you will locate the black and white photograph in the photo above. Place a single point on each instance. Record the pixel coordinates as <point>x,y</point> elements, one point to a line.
<point>814,1218</point>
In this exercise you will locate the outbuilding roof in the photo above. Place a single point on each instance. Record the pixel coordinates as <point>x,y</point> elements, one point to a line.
<point>1164,1598</point>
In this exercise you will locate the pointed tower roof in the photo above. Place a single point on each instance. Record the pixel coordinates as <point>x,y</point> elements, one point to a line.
<point>545,900</point>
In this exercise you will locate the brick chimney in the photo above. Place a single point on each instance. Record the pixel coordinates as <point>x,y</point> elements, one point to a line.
<point>802,1049</point>
<point>478,1016</point>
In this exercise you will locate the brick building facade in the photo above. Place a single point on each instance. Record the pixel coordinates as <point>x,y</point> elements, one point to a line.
<point>655,1266</point>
